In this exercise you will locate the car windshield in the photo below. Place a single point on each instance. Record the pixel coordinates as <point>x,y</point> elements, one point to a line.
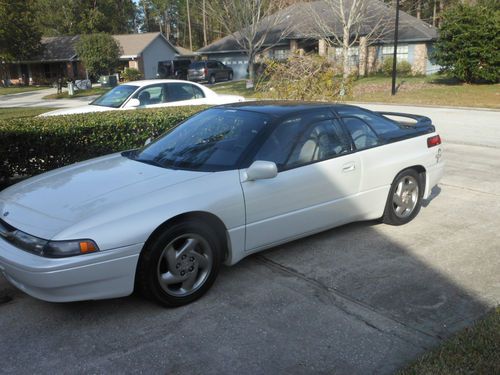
<point>115,97</point>
<point>213,140</point>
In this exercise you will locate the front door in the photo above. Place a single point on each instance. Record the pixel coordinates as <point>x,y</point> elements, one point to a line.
<point>314,189</point>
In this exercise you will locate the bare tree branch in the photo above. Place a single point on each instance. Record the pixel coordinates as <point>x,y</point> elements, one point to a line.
<point>254,24</point>
<point>344,22</point>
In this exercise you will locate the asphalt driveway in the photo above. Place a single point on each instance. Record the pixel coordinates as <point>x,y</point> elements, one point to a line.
<point>361,299</point>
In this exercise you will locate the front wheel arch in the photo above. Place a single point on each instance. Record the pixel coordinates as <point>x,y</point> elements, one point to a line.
<point>212,220</point>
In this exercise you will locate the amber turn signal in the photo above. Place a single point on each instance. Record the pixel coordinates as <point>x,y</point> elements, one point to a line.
<point>87,247</point>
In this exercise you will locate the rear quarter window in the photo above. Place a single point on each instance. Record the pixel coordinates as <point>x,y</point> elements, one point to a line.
<point>361,133</point>
<point>378,123</point>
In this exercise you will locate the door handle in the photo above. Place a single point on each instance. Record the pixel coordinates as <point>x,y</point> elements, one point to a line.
<point>349,167</point>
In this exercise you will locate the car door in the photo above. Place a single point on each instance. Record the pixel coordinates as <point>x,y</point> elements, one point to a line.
<point>318,178</point>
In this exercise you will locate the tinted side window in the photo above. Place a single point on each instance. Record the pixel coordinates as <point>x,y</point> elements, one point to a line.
<point>180,91</point>
<point>153,94</point>
<point>197,93</point>
<point>379,124</point>
<point>292,144</point>
<point>362,135</point>
<point>279,144</point>
<point>211,65</point>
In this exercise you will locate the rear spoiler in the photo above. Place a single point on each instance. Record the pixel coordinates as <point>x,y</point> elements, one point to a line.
<point>422,121</point>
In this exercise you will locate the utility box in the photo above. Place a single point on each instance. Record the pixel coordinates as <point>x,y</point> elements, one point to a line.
<point>108,81</point>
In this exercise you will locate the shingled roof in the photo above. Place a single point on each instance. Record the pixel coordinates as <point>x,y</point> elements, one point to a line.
<point>57,48</point>
<point>301,25</point>
<point>62,48</point>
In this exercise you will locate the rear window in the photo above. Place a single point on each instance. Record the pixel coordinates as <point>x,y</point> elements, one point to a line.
<point>197,65</point>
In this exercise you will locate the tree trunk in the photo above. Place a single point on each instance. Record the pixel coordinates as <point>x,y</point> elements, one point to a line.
<point>146,15</point>
<point>419,9</point>
<point>345,54</point>
<point>205,41</point>
<point>441,10</point>
<point>167,25</point>
<point>434,14</point>
<point>189,26</point>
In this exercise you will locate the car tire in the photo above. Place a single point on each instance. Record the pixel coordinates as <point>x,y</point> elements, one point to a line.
<point>211,80</point>
<point>180,264</point>
<point>405,198</point>
<point>230,76</point>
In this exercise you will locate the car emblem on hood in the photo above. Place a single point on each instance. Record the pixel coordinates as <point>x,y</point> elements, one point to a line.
<point>6,213</point>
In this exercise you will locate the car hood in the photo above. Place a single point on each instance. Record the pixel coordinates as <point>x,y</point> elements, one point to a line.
<point>47,204</point>
<point>76,110</point>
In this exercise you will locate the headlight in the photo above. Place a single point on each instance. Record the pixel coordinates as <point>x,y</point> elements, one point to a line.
<point>27,242</point>
<point>61,249</point>
<point>50,249</point>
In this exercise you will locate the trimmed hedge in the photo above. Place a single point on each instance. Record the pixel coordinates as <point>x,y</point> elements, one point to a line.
<point>29,146</point>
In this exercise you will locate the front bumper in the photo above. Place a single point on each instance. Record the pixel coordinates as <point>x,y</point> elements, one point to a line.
<point>105,274</point>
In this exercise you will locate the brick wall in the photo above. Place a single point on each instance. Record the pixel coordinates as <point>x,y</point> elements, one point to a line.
<point>419,59</point>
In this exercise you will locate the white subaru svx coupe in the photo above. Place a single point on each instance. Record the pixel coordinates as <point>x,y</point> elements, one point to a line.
<point>227,182</point>
<point>155,93</point>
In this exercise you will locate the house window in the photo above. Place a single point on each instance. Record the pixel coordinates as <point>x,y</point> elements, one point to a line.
<point>402,52</point>
<point>337,54</point>
<point>280,54</point>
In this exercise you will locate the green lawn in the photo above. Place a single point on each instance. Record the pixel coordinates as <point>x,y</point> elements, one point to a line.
<point>431,90</point>
<point>19,89</point>
<point>7,113</point>
<point>79,93</point>
<point>475,350</point>
<point>233,88</point>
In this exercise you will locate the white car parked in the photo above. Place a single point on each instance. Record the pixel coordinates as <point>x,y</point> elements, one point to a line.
<point>228,182</point>
<point>151,94</point>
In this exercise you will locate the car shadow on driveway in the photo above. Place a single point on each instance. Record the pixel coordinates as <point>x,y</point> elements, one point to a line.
<point>436,190</point>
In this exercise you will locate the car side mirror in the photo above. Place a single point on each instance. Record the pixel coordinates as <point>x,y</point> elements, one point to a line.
<point>132,103</point>
<point>260,170</point>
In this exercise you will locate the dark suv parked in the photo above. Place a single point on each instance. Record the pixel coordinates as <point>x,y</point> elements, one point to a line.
<point>177,69</point>
<point>209,70</point>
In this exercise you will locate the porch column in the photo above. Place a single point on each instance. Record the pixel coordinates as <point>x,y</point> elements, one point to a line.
<point>322,47</point>
<point>294,45</point>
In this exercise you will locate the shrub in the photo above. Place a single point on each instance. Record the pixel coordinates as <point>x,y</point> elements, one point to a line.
<point>403,68</point>
<point>469,42</point>
<point>35,145</point>
<point>308,77</point>
<point>131,74</point>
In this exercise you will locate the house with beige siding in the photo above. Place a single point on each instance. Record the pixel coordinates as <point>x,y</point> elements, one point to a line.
<point>416,39</point>
<point>58,58</point>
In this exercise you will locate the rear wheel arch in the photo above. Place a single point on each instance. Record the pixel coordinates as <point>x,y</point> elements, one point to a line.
<point>399,208</point>
<point>420,169</point>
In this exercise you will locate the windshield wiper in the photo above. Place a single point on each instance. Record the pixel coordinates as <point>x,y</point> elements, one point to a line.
<point>151,162</point>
